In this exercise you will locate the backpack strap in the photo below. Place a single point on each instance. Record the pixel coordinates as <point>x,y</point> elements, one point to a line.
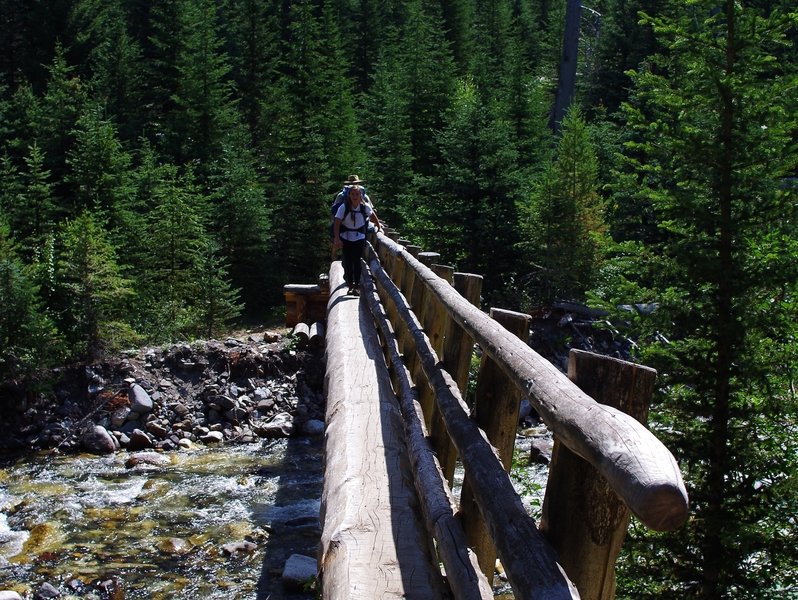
<point>362,210</point>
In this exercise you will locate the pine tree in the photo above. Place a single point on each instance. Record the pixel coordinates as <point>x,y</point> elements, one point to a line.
<point>33,212</point>
<point>52,119</point>
<point>430,75</point>
<point>176,235</point>
<point>715,118</point>
<point>241,220</point>
<point>386,122</point>
<point>466,211</point>
<point>218,303</point>
<point>28,339</point>
<point>112,60</point>
<point>564,219</point>
<point>98,167</point>
<point>256,57</point>
<point>92,290</point>
<point>204,110</point>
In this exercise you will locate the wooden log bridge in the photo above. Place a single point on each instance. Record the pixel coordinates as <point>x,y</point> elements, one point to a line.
<point>397,370</point>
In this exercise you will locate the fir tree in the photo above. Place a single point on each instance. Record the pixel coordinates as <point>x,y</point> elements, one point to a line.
<point>564,219</point>
<point>241,220</point>
<point>204,111</point>
<point>218,303</point>
<point>98,167</point>
<point>176,234</point>
<point>715,122</point>
<point>28,339</point>
<point>92,290</point>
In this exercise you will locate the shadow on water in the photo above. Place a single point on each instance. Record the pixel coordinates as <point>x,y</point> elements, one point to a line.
<point>292,519</point>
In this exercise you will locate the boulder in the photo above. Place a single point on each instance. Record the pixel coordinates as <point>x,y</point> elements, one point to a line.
<point>299,570</point>
<point>140,401</point>
<point>99,441</point>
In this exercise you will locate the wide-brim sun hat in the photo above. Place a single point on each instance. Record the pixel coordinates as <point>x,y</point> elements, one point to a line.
<point>354,180</point>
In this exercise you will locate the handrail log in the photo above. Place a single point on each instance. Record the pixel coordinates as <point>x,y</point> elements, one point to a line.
<point>640,469</point>
<point>529,561</point>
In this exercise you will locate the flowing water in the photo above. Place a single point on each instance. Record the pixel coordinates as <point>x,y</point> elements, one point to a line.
<point>92,527</point>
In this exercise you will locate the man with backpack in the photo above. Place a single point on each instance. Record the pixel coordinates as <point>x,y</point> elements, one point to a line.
<point>350,224</point>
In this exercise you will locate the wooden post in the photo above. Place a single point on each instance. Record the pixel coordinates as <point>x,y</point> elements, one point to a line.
<point>438,315</point>
<point>495,410</point>
<point>530,564</point>
<point>409,277</point>
<point>582,517</point>
<point>457,349</point>
<point>422,303</point>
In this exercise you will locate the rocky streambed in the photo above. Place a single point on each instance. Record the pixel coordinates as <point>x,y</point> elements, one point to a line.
<point>189,471</point>
<point>232,391</point>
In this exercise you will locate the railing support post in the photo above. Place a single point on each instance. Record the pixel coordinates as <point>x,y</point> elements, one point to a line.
<point>583,517</point>
<point>457,349</point>
<point>495,411</point>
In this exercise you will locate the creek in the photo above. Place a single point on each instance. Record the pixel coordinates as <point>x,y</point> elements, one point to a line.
<point>212,523</point>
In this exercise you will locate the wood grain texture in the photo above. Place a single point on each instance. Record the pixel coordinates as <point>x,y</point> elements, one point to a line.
<point>640,469</point>
<point>530,563</point>
<point>373,543</point>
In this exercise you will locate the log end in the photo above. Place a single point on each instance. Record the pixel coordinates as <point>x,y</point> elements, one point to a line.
<point>664,508</point>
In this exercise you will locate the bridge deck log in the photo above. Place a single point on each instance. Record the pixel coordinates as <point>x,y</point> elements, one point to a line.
<point>373,542</point>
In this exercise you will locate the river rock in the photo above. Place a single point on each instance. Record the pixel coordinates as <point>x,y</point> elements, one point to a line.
<point>222,402</point>
<point>175,545</point>
<point>540,451</point>
<point>298,571</point>
<point>238,548</point>
<point>313,427</point>
<point>139,440</point>
<point>212,437</point>
<point>99,441</point>
<point>47,590</point>
<point>282,425</point>
<point>9,595</point>
<point>140,401</point>
<point>157,430</point>
<point>119,416</point>
<point>148,458</point>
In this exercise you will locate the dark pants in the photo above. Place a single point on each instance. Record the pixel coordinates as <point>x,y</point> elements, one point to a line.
<point>353,251</point>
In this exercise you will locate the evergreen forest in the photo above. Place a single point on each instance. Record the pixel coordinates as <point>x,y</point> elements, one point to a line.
<point>166,167</point>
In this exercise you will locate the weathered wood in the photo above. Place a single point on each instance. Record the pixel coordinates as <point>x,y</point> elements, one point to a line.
<point>302,333</point>
<point>316,334</point>
<point>583,518</point>
<point>530,563</point>
<point>635,463</point>
<point>458,347</point>
<point>445,272</point>
<point>437,503</point>
<point>305,302</point>
<point>496,407</point>
<point>373,543</point>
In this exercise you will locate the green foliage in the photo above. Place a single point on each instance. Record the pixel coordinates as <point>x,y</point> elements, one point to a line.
<point>28,339</point>
<point>98,167</point>
<point>92,291</point>
<point>711,150</point>
<point>563,220</point>
<point>217,304</point>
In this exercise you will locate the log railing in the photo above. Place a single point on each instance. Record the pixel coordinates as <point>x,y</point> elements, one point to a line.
<point>429,324</point>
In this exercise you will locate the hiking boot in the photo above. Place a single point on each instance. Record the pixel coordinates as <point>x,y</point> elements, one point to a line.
<point>355,291</point>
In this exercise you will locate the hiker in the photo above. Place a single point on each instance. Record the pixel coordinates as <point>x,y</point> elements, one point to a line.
<point>349,232</point>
